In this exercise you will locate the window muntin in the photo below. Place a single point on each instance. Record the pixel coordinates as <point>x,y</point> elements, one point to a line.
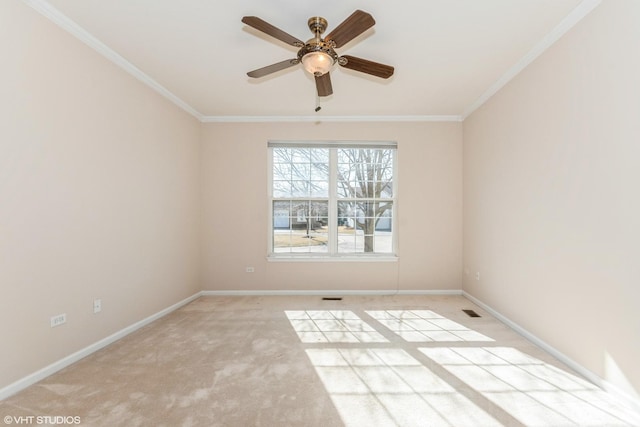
<point>300,226</point>
<point>365,173</point>
<point>365,226</point>
<point>300,172</point>
<point>332,200</point>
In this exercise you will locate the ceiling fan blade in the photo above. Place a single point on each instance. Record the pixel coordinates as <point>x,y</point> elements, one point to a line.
<point>350,28</point>
<point>366,66</point>
<point>261,72</point>
<point>265,27</point>
<point>323,85</point>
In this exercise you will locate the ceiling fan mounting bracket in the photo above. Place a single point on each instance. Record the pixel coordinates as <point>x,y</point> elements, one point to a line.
<point>317,24</point>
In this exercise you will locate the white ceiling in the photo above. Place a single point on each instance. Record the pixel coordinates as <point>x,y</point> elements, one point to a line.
<point>448,55</point>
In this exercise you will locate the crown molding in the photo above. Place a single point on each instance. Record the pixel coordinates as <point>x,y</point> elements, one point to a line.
<point>57,17</point>
<point>315,119</point>
<point>575,16</point>
<point>64,22</point>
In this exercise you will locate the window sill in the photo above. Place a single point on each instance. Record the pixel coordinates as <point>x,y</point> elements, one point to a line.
<point>307,258</point>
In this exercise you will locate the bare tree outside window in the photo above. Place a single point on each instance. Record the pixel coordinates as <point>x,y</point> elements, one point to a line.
<point>365,183</point>
<point>361,200</point>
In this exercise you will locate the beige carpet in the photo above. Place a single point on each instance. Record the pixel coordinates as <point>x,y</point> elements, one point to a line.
<point>302,361</point>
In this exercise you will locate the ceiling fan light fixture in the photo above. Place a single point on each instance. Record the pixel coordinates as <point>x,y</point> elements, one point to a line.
<point>317,62</point>
<point>318,55</point>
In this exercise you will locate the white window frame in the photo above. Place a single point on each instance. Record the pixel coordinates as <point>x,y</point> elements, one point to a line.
<point>332,254</point>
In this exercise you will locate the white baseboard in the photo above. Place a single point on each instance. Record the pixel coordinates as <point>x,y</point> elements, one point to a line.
<point>615,391</point>
<point>432,292</point>
<point>41,374</point>
<point>33,378</point>
<point>328,292</point>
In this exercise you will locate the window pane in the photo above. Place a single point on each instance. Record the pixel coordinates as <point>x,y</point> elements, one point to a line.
<point>281,155</point>
<point>300,188</point>
<point>301,155</point>
<point>300,192</point>
<point>384,221</point>
<point>347,239</point>
<point>314,242</point>
<point>319,188</point>
<point>281,189</point>
<point>363,225</point>
<point>319,209</point>
<point>365,173</point>
<point>386,189</point>
<point>281,171</point>
<point>320,171</point>
<point>319,155</point>
<point>281,215</point>
<point>300,172</point>
<point>300,226</point>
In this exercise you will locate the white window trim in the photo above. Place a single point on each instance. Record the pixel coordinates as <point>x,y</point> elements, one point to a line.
<point>333,255</point>
<point>331,258</point>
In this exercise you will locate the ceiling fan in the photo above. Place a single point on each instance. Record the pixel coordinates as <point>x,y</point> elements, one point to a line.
<point>317,54</point>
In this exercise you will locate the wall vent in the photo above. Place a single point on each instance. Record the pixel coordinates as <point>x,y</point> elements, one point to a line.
<point>471,313</point>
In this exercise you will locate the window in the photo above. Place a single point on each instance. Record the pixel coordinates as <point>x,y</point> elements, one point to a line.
<point>332,199</point>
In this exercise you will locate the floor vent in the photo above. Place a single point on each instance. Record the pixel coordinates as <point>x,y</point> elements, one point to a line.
<point>331,298</point>
<point>471,313</point>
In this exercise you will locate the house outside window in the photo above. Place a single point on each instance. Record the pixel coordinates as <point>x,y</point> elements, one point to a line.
<point>332,199</point>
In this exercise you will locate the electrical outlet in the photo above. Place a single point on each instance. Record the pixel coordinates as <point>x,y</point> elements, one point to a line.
<point>250,270</point>
<point>58,320</point>
<point>97,306</point>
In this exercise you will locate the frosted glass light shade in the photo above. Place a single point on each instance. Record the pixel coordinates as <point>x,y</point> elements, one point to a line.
<point>317,63</point>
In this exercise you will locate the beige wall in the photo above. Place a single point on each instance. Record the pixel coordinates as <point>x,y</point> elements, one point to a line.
<point>235,216</point>
<point>552,196</point>
<point>99,195</point>
<point>103,183</point>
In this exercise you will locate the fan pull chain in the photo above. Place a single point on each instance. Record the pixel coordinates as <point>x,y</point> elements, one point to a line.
<point>318,107</point>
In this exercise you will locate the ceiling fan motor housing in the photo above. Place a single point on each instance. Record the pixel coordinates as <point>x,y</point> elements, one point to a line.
<point>317,47</point>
